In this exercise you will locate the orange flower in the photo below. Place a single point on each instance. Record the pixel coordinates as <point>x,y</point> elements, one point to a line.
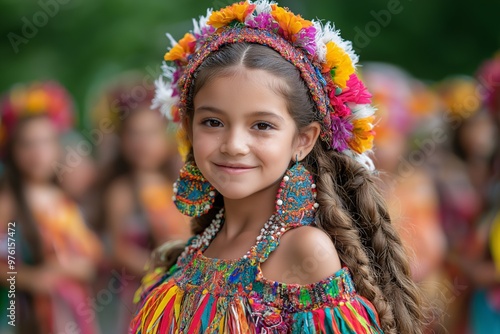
<point>289,23</point>
<point>182,50</point>
<point>363,134</point>
<point>338,61</point>
<point>238,11</point>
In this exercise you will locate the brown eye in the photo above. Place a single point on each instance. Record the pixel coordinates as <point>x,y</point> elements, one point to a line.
<point>263,126</point>
<point>212,123</point>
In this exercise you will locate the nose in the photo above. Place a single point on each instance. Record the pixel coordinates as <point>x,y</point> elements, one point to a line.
<point>235,142</point>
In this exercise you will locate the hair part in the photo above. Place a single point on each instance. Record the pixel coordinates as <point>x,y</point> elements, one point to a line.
<point>352,211</point>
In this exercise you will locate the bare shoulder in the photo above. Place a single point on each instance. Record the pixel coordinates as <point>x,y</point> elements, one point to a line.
<point>305,255</point>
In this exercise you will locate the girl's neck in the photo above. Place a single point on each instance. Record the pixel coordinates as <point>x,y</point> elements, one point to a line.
<point>249,213</point>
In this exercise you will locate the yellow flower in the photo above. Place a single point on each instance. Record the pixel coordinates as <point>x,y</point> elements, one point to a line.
<point>363,134</point>
<point>340,62</point>
<point>183,143</point>
<point>290,23</point>
<point>37,101</point>
<point>182,50</point>
<point>238,11</point>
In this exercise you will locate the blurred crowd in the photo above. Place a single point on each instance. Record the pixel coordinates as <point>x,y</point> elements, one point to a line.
<point>89,206</point>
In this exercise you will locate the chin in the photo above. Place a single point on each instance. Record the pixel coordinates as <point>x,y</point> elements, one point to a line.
<point>236,194</point>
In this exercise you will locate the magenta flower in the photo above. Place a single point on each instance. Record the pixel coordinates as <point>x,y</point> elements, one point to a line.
<point>356,91</point>
<point>307,39</point>
<point>339,106</point>
<point>341,133</point>
<point>262,21</point>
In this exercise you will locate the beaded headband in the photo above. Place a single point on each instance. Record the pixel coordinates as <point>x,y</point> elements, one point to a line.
<point>325,61</point>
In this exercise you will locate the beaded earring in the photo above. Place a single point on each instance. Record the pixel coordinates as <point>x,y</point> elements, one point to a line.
<point>296,198</point>
<point>194,196</point>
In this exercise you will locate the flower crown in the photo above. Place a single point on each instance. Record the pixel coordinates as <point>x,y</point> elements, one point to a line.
<point>326,63</point>
<point>48,98</point>
<point>489,76</point>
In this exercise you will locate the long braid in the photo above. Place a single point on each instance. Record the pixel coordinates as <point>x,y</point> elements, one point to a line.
<point>353,213</point>
<point>334,218</point>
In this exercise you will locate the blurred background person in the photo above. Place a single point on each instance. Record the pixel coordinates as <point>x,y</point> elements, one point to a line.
<point>138,213</point>
<point>484,267</point>
<point>56,253</point>
<point>80,181</point>
<point>403,105</point>
<point>462,175</point>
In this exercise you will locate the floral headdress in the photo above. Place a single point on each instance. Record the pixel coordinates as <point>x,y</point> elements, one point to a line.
<point>48,98</point>
<point>459,95</point>
<point>119,97</point>
<point>326,63</point>
<point>489,77</point>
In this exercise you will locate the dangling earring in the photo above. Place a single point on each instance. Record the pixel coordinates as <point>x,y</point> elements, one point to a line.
<point>194,195</point>
<point>296,198</point>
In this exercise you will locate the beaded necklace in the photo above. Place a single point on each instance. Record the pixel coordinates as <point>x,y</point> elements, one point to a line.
<point>272,229</point>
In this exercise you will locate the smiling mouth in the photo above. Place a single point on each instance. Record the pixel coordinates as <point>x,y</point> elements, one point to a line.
<point>234,168</point>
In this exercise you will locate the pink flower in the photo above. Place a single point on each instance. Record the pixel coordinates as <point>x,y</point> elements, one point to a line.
<point>306,38</point>
<point>263,21</point>
<point>356,91</point>
<point>338,104</point>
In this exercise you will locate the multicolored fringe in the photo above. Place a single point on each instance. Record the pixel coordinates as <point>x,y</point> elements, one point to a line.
<point>269,308</point>
<point>353,317</point>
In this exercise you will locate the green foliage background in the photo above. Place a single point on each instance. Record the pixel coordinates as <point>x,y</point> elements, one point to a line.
<point>88,41</point>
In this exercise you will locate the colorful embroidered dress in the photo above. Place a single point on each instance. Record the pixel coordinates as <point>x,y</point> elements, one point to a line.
<point>206,295</point>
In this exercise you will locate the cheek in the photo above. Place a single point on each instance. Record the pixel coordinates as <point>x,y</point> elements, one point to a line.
<point>204,144</point>
<point>38,159</point>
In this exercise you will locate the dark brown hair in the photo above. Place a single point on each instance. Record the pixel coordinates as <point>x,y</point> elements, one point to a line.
<point>352,210</point>
<point>12,181</point>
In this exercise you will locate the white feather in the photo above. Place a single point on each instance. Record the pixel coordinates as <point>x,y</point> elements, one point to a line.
<point>262,6</point>
<point>326,33</point>
<point>363,159</point>
<point>168,71</point>
<point>361,110</point>
<point>163,100</point>
<point>173,42</point>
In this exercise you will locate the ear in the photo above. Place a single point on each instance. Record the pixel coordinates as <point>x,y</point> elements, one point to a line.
<point>306,139</point>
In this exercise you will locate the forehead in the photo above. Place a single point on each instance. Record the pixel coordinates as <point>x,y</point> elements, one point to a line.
<point>36,126</point>
<point>244,90</point>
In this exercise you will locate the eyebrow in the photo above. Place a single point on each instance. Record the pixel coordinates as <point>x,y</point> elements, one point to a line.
<point>253,114</point>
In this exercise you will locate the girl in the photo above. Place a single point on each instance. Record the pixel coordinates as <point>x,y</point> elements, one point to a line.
<point>56,253</point>
<point>137,211</point>
<point>291,235</point>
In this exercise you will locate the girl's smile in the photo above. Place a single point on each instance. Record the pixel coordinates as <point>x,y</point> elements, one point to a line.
<point>234,168</point>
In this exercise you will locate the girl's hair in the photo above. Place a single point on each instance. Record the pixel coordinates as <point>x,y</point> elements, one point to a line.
<point>352,211</point>
<point>12,181</point>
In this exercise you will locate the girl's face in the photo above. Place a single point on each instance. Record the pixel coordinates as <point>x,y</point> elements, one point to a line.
<point>478,135</point>
<point>243,136</point>
<point>144,140</point>
<point>36,149</point>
